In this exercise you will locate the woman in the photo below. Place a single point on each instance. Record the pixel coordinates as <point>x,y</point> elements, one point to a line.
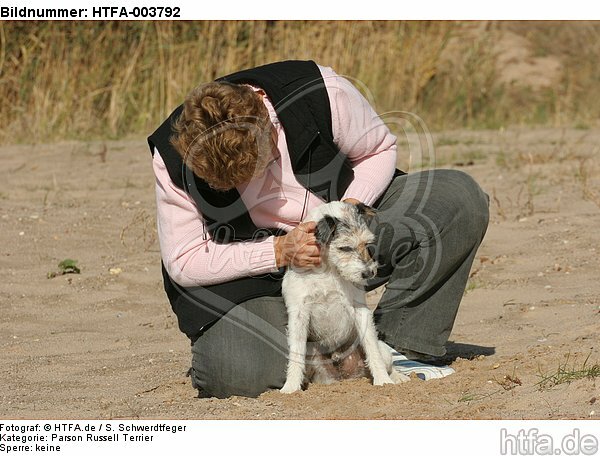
<point>240,164</point>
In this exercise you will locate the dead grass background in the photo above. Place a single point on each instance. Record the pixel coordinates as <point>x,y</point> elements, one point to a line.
<point>68,80</point>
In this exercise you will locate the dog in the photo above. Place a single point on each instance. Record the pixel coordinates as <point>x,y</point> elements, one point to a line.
<point>327,305</point>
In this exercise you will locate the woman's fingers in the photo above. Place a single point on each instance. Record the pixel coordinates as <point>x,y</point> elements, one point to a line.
<point>307,227</point>
<point>307,230</point>
<point>299,247</point>
<point>308,255</point>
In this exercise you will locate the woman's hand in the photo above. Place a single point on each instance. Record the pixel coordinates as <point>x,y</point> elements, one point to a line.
<point>298,248</point>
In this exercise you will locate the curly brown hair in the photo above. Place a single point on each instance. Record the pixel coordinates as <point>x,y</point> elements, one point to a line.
<point>223,133</point>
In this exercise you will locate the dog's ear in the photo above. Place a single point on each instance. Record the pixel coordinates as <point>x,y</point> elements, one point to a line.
<point>366,212</point>
<point>325,229</point>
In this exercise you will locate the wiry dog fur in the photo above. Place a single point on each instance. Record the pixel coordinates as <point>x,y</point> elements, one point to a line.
<point>327,305</point>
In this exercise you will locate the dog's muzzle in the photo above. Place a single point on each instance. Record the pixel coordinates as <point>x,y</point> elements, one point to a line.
<point>369,274</point>
<point>366,275</point>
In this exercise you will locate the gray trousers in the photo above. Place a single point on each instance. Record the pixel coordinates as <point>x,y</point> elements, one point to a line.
<point>429,225</point>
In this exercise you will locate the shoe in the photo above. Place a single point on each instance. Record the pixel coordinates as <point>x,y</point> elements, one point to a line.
<point>410,361</point>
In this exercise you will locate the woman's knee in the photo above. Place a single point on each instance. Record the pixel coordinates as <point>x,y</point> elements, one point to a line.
<point>443,197</point>
<point>463,193</point>
<point>472,190</point>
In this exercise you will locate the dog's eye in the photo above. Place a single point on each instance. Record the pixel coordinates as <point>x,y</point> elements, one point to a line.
<point>345,248</point>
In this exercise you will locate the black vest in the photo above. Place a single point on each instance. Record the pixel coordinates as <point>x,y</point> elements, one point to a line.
<point>298,94</point>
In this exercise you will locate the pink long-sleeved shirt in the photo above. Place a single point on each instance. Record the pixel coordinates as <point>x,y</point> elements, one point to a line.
<point>275,199</point>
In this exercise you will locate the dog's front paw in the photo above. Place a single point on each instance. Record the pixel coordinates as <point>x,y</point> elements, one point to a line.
<point>383,380</point>
<point>399,377</point>
<point>290,387</point>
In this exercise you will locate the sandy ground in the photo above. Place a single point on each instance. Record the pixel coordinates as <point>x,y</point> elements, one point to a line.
<point>105,345</point>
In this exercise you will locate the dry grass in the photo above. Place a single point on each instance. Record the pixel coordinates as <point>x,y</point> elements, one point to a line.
<point>140,230</point>
<point>585,171</point>
<point>566,373</point>
<point>107,80</point>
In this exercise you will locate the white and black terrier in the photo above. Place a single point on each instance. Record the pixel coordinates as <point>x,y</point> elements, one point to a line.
<point>327,309</point>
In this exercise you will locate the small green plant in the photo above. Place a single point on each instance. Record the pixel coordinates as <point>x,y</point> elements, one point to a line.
<point>471,396</point>
<point>66,266</point>
<point>468,397</point>
<point>473,284</point>
<point>567,374</point>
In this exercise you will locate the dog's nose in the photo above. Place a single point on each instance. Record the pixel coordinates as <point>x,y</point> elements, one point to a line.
<point>367,275</point>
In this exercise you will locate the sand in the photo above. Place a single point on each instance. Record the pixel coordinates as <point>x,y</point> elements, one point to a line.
<point>104,344</point>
